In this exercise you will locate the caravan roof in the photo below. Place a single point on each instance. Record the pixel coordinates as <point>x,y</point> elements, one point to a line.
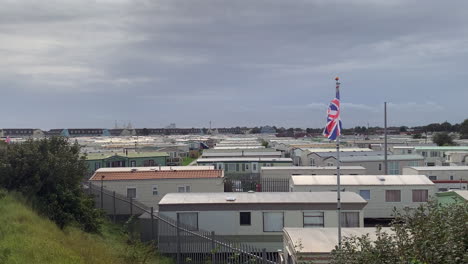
<point>361,180</point>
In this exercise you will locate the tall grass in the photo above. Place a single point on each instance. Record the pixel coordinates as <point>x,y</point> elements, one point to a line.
<point>26,237</point>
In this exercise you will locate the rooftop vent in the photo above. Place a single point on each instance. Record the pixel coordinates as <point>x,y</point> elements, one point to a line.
<point>381,178</point>
<point>230,199</point>
<point>133,170</point>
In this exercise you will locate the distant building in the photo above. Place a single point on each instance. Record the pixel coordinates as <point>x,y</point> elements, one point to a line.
<point>78,132</point>
<point>21,132</point>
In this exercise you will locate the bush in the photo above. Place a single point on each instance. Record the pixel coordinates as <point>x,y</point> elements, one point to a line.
<point>49,173</point>
<point>430,234</point>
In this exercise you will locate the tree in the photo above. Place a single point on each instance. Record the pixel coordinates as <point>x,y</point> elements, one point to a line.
<point>443,139</point>
<point>434,127</point>
<point>49,172</point>
<point>255,130</point>
<point>464,129</point>
<point>403,129</point>
<point>429,234</point>
<point>446,126</point>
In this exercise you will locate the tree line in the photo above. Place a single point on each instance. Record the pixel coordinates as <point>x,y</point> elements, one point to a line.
<point>461,128</point>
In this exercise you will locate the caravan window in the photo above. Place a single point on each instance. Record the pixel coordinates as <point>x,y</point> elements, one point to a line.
<point>189,220</point>
<point>273,221</point>
<point>131,192</point>
<point>313,219</point>
<point>245,218</point>
<point>350,219</point>
<point>393,196</point>
<point>183,189</point>
<point>365,194</point>
<point>420,196</point>
<point>393,168</point>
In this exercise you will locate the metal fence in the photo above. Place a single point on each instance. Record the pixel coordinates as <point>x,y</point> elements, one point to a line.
<point>256,184</point>
<point>173,238</point>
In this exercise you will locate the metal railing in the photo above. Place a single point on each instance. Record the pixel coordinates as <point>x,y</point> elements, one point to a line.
<point>173,238</point>
<point>256,184</point>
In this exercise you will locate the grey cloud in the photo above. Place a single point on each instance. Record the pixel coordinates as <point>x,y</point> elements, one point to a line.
<point>235,62</point>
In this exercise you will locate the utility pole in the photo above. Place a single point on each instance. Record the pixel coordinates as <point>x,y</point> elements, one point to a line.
<point>385,139</point>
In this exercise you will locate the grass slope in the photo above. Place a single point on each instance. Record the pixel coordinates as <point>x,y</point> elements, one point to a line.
<point>26,237</point>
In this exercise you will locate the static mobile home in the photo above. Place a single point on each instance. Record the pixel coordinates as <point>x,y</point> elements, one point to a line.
<point>149,184</point>
<point>445,177</point>
<point>375,164</point>
<point>302,245</point>
<point>233,153</point>
<point>382,192</point>
<point>285,172</point>
<point>243,166</point>
<point>259,218</point>
<point>277,179</point>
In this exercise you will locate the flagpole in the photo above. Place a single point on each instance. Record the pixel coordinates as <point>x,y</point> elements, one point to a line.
<point>338,193</point>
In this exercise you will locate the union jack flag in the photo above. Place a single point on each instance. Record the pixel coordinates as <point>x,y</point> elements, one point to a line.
<point>333,129</point>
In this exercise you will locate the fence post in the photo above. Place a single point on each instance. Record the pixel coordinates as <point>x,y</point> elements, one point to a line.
<point>264,258</point>
<point>113,205</point>
<point>213,248</point>
<point>131,206</point>
<point>179,261</point>
<point>152,223</point>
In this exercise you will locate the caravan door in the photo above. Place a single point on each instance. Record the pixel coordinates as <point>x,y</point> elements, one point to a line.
<point>255,167</point>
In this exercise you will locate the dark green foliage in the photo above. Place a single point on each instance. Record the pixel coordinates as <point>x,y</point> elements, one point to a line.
<point>49,172</point>
<point>430,234</point>
<point>255,130</point>
<point>443,139</point>
<point>464,129</point>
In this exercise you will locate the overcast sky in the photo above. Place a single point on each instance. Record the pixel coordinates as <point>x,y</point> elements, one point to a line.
<point>237,63</point>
